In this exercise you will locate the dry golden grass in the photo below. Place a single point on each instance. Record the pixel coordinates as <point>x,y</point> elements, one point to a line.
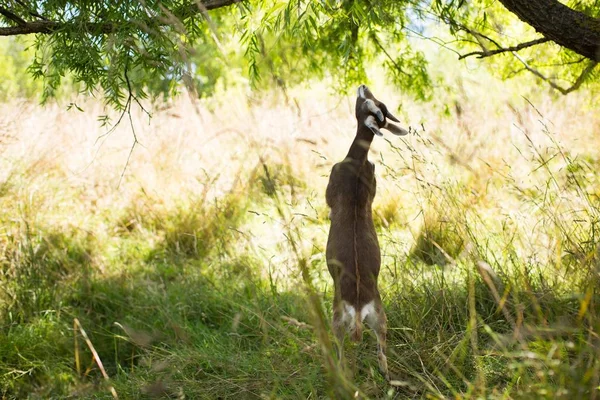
<point>484,138</point>
<point>493,134</point>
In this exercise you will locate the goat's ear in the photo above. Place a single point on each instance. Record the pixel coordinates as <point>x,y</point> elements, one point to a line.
<point>371,123</point>
<point>395,129</point>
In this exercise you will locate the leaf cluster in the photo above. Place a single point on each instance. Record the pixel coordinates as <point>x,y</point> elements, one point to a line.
<point>482,27</point>
<point>117,48</point>
<point>339,39</point>
<point>148,48</point>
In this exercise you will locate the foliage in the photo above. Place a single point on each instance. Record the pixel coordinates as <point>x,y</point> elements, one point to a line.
<point>127,51</point>
<point>15,57</point>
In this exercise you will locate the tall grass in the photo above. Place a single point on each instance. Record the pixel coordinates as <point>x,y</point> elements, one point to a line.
<point>201,274</point>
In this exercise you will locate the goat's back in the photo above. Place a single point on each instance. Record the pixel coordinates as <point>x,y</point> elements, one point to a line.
<point>352,247</point>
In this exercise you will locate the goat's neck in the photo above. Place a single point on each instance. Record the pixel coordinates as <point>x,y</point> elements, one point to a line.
<point>359,149</point>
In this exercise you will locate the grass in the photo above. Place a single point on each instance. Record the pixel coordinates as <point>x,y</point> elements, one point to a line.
<point>202,275</point>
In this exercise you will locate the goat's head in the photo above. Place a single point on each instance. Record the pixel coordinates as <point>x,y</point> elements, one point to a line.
<point>374,114</point>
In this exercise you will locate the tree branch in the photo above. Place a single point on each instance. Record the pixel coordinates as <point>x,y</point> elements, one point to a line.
<point>578,82</point>
<point>47,27</point>
<point>488,53</point>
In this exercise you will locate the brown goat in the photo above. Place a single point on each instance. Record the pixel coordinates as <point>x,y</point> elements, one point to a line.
<point>353,254</point>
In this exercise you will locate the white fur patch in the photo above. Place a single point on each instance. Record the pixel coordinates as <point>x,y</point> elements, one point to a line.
<point>361,91</point>
<point>349,313</point>
<point>372,125</point>
<point>374,109</point>
<point>367,309</point>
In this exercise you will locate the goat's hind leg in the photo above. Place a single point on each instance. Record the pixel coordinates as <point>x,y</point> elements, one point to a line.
<point>339,330</point>
<point>378,322</point>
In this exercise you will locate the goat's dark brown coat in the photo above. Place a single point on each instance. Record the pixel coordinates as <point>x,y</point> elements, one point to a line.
<point>353,255</point>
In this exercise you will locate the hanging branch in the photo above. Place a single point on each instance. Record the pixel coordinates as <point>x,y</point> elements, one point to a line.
<point>127,110</point>
<point>578,82</point>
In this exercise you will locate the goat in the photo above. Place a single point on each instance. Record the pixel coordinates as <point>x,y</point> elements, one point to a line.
<point>353,254</point>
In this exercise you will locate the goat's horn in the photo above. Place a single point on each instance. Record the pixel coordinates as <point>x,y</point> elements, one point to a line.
<point>391,116</point>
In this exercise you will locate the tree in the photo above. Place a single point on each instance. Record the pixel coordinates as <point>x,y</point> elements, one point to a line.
<point>572,29</point>
<point>123,48</point>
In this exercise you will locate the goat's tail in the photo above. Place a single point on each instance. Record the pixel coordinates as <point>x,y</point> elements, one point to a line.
<point>356,334</point>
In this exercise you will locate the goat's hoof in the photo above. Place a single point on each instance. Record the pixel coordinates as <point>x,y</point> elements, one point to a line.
<point>386,375</point>
<point>383,367</point>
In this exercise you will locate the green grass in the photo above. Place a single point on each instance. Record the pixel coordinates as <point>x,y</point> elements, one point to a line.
<point>213,284</point>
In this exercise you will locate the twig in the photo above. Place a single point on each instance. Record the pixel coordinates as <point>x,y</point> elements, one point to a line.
<point>447,256</point>
<point>578,82</point>
<point>12,16</point>
<point>376,40</point>
<point>476,34</point>
<point>128,110</point>
<point>513,49</point>
<point>434,39</point>
<point>489,53</point>
<point>77,325</point>
<point>31,12</point>
<point>211,24</point>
